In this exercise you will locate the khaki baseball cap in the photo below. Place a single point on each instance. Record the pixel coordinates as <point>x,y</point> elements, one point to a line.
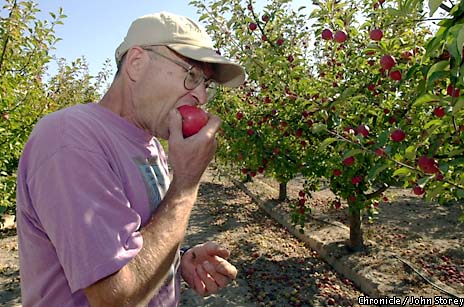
<point>184,36</point>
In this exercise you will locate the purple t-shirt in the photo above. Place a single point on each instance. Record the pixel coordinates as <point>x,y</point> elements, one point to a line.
<point>88,181</point>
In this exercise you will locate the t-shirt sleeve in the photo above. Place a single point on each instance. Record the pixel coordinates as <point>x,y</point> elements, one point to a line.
<point>82,207</point>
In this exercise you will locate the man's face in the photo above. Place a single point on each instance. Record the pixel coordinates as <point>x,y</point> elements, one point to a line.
<point>164,86</point>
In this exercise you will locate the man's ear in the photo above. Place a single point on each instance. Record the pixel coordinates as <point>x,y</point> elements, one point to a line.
<point>136,61</point>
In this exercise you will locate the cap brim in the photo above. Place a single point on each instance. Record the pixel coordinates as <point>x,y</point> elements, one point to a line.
<point>226,72</point>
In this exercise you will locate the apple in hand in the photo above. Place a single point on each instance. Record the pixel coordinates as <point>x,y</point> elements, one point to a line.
<point>193,119</point>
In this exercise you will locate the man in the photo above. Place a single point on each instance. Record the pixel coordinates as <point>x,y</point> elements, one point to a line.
<point>99,222</point>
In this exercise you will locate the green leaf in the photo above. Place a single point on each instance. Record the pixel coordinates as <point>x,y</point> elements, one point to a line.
<point>426,98</point>
<point>404,171</point>
<point>410,152</point>
<point>454,49</point>
<point>455,152</point>
<point>433,193</point>
<point>434,5</point>
<point>423,181</point>
<point>458,106</point>
<point>318,128</point>
<point>326,143</point>
<point>460,193</point>
<point>352,153</point>
<point>460,40</point>
<point>437,122</point>
<point>383,138</point>
<point>438,67</point>
<point>376,170</point>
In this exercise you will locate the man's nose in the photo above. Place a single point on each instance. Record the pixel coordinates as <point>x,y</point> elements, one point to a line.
<point>200,93</point>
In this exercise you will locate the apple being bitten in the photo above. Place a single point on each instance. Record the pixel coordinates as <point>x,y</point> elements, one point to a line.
<point>193,119</point>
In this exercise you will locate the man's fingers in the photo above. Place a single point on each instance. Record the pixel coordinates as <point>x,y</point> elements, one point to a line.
<point>214,249</point>
<point>220,279</point>
<point>226,269</point>
<point>175,124</point>
<point>212,126</point>
<point>207,279</point>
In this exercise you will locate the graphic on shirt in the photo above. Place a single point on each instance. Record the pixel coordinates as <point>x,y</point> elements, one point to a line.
<point>155,178</point>
<point>157,181</point>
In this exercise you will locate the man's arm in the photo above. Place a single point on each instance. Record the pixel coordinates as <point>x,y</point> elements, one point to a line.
<point>140,279</point>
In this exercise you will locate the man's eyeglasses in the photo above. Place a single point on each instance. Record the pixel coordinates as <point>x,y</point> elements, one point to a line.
<point>194,76</point>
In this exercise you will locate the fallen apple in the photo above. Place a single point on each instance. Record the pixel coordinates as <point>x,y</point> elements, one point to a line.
<point>193,119</point>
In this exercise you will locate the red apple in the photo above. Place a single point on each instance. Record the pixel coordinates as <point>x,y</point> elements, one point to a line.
<point>398,135</point>
<point>337,172</point>
<point>428,165</point>
<point>439,112</point>
<point>280,42</point>
<point>387,62</point>
<point>452,91</point>
<point>418,190</point>
<point>380,152</point>
<point>252,26</point>
<point>239,115</point>
<point>356,180</point>
<point>395,75</point>
<point>193,119</point>
<point>376,34</point>
<point>265,18</point>
<point>349,161</point>
<point>362,129</point>
<point>340,36</point>
<point>327,34</point>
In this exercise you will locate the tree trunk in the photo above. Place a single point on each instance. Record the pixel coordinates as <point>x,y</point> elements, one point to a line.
<point>282,191</point>
<point>356,233</point>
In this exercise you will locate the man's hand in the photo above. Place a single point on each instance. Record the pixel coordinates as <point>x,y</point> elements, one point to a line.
<point>190,157</point>
<point>205,269</point>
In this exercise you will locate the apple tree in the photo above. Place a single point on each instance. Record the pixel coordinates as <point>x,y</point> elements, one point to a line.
<point>374,102</point>
<point>266,121</point>
<point>396,112</point>
<point>27,91</point>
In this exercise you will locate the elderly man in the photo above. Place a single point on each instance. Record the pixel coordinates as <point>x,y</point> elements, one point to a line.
<point>100,221</point>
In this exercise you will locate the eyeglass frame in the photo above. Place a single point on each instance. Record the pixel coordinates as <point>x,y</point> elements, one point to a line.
<point>210,84</point>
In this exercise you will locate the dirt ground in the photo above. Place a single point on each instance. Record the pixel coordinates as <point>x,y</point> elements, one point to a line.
<point>276,269</point>
<point>424,241</point>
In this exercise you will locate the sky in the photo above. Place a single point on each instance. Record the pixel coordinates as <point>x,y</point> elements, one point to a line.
<point>94,28</point>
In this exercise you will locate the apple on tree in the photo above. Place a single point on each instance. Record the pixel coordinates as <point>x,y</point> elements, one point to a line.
<point>252,26</point>
<point>428,165</point>
<point>395,75</point>
<point>376,35</point>
<point>193,119</point>
<point>340,36</point>
<point>327,34</point>
<point>387,62</point>
<point>398,135</point>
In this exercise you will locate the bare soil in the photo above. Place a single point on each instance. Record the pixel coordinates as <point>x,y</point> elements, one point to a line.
<point>424,240</point>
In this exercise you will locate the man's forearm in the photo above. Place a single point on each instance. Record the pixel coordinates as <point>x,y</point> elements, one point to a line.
<point>138,281</point>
